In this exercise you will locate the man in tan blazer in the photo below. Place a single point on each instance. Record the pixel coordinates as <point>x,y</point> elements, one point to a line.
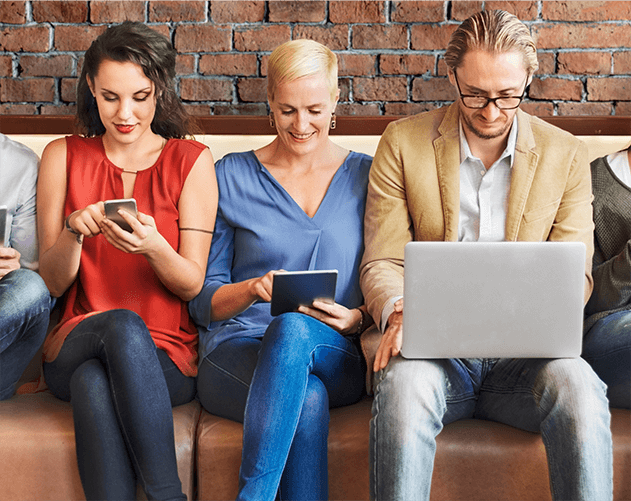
<point>479,169</point>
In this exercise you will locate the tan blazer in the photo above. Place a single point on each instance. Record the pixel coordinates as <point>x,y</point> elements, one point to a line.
<point>414,194</point>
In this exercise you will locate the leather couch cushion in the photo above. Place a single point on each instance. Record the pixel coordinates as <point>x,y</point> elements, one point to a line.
<point>475,460</point>
<point>37,448</point>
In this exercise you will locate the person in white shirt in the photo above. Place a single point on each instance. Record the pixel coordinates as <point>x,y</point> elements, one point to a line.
<point>24,298</point>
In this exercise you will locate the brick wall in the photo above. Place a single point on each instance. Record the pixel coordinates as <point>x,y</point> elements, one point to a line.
<point>390,52</point>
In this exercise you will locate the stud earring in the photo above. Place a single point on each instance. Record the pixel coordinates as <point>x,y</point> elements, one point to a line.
<point>333,121</point>
<point>271,120</point>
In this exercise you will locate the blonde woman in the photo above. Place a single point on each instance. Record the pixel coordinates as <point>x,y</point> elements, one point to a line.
<point>295,204</point>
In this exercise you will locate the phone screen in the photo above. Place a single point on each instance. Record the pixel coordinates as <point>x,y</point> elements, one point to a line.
<point>112,207</point>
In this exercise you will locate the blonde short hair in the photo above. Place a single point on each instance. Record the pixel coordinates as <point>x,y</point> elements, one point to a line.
<point>301,58</point>
<point>494,31</point>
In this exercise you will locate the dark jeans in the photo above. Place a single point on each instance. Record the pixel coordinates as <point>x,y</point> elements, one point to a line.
<point>607,348</point>
<point>122,389</point>
<point>24,315</point>
<point>281,387</point>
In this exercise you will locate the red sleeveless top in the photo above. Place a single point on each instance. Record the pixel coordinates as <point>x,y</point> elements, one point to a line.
<point>109,278</point>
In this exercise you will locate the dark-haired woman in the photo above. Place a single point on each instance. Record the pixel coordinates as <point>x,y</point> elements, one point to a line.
<point>125,350</point>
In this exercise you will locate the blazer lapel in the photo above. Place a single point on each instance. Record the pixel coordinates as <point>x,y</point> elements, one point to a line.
<point>447,151</point>
<point>523,172</point>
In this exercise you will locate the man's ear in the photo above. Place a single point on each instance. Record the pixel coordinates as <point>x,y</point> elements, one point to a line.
<point>452,78</point>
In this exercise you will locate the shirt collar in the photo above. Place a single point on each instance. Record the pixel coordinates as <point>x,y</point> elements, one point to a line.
<point>509,151</point>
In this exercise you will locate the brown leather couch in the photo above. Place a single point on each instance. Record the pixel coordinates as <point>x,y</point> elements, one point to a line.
<point>474,459</point>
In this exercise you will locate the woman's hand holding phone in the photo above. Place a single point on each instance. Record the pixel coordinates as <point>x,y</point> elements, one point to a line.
<point>87,221</point>
<point>144,238</point>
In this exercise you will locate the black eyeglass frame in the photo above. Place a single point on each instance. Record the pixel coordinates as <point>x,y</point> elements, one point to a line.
<point>488,100</point>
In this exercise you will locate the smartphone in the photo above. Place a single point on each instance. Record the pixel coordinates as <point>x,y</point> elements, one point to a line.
<point>3,224</point>
<point>112,207</point>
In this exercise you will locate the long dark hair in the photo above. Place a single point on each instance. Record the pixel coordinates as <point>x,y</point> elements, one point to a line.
<point>137,43</point>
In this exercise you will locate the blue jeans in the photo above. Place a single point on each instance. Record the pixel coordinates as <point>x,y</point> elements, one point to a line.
<point>281,388</point>
<point>563,399</point>
<point>607,348</point>
<point>24,314</point>
<point>122,389</point>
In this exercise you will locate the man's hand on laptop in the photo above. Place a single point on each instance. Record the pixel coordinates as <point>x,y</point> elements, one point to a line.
<point>392,338</point>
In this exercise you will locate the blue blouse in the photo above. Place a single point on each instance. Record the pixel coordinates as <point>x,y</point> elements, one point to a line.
<point>260,228</point>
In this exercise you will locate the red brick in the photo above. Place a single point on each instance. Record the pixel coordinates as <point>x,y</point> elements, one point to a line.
<point>362,11</point>
<point>228,64</point>
<point>623,109</point>
<point>580,63</point>
<point>538,108</point>
<point>430,37</point>
<point>380,89</point>
<point>261,37</point>
<point>556,88</point>
<point>60,11</point>
<point>197,89</point>
<point>76,38</point>
<point>406,64</point>
<point>355,64</point>
<point>584,109</point>
<point>609,89</point>
<point>622,63</point>
<point>252,89</point>
<point>293,12</point>
<point>524,10</point>
<point>38,66</point>
<point>113,11</point>
<point>162,12</point>
<point>547,63</point>
<point>163,29</point>
<point>184,64</point>
<point>196,110</point>
<point>6,66</point>
<point>52,109</point>
<point>442,70</point>
<point>13,12</point>
<point>257,109</point>
<point>27,90</point>
<point>571,36</point>
<point>407,109</point>
<point>435,89</point>
<point>411,11</point>
<point>69,90</point>
<point>237,12</point>
<point>18,109</point>
<point>380,37</point>
<point>334,36</point>
<point>461,10</point>
<point>27,39</point>
<point>202,38</point>
<point>586,11</point>
<point>357,109</point>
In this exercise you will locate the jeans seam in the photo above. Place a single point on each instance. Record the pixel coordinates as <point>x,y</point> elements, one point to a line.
<point>226,373</point>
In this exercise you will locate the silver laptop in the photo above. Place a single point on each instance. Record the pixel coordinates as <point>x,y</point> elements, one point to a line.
<point>493,299</point>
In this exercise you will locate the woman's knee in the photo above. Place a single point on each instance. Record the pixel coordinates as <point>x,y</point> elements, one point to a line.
<point>290,330</point>
<point>123,329</point>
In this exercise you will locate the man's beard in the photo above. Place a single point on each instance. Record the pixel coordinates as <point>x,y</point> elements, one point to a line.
<point>468,123</point>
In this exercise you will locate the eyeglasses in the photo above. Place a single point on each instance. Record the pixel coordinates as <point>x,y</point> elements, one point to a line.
<point>501,103</point>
